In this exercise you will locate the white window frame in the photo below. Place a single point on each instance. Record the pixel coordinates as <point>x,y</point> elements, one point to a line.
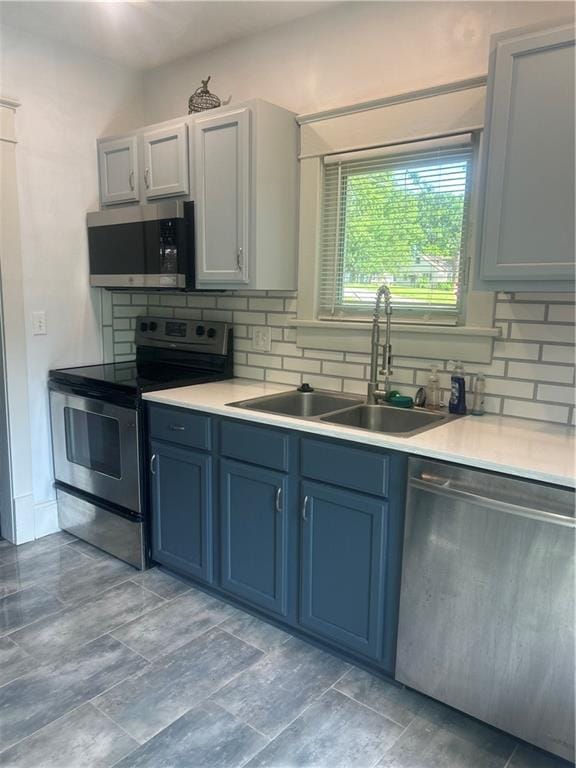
<point>445,110</point>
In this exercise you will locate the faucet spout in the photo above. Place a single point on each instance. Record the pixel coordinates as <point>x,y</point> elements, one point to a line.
<point>375,391</point>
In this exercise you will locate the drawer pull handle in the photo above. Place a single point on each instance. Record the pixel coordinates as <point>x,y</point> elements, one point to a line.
<point>153,463</point>
<point>278,501</point>
<point>304,508</point>
<point>176,428</point>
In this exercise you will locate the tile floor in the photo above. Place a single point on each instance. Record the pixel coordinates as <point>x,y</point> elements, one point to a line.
<point>102,665</point>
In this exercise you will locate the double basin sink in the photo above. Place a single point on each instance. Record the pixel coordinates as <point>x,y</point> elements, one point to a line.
<point>347,411</point>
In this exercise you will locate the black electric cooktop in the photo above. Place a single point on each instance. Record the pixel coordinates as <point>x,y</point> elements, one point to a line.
<point>132,377</point>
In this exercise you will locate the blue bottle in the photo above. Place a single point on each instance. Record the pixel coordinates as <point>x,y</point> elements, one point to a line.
<point>457,403</point>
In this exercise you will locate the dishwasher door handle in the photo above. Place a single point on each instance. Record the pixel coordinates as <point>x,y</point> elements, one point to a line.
<point>442,487</point>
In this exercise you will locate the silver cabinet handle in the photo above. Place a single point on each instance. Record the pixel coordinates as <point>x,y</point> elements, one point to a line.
<point>304,508</point>
<point>278,501</point>
<point>239,259</point>
<point>153,463</point>
<point>147,177</point>
<point>131,180</point>
<point>176,428</point>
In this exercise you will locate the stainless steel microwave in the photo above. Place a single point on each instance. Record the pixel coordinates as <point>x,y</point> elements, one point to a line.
<point>142,246</point>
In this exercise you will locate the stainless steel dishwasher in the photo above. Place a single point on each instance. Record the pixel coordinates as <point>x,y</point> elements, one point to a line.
<point>487,600</point>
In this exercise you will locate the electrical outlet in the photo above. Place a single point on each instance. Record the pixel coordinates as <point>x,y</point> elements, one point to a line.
<point>261,340</point>
<point>39,323</point>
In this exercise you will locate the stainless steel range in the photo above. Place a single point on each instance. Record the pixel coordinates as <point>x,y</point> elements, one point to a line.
<point>98,428</point>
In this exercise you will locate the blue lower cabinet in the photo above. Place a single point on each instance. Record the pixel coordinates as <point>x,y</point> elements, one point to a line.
<point>182,509</point>
<point>342,567</point>
<point>253,522</point>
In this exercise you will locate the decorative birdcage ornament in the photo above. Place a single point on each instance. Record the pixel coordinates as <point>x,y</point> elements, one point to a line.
<point>202,99</point>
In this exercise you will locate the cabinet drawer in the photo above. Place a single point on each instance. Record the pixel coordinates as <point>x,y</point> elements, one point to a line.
<point>265,446</point>
<point>345,466</point>
<point>180,426</point>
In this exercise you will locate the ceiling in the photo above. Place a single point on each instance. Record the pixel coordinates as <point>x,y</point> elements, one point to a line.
<point>145,34</point>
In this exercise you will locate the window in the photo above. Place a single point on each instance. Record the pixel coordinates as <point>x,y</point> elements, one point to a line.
<point>396,216</point>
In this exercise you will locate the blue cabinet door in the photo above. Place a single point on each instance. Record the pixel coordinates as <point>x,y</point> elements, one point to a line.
<point>182,509</point>
<point>253,514</point>
<point>342,568</point>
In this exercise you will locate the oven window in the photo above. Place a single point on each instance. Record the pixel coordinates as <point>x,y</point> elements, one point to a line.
<point>93,441</point>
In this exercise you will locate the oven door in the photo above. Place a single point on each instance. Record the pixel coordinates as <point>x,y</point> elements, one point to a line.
<point>95,446</point>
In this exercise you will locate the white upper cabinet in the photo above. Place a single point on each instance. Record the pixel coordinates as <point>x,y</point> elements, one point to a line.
<point>118,170</point>
<point>527,234</point>
<point>240,167</point>
<point>222,161</point>
<point>245,196</point>
<point>165,153</point>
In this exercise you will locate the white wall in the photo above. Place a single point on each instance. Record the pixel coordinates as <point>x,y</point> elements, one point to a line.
<point>351,53</point>
<point>68,98</point>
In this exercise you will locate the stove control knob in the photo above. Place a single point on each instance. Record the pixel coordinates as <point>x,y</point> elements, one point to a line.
<point>153,326</point>
<point>143,327</point>
<point>211,333</point>
<point>200,330</point>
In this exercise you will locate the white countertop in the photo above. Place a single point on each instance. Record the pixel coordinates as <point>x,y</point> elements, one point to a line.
<point>519,447</point>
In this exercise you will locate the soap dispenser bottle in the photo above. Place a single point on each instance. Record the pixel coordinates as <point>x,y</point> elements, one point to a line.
<point>457,403</point>
<point>433,389</point>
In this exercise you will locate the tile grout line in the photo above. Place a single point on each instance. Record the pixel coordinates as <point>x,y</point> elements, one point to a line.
<point>367,706</point>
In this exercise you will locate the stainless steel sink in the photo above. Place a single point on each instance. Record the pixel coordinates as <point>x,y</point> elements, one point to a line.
<point>388,419</point>
<point>300,404</point>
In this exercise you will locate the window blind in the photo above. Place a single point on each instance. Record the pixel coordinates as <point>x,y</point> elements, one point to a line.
<point>396,216</point>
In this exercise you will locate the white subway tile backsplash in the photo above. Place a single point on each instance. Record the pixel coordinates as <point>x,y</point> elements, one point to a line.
<point>513,311</point>
<point>345,370</point>
<point>516,350</point>
<point>526,409</point>
<point>284,377</point>
<point>299,364</point>
<point>556,394</point>
<point>232,302</point>
<point>542,332</point>
<point>552,353</point>
<point>561,374</point>
<point>267,305</point>
<point>265,360</point>
<point>510,388</point>
<point>561,313</point>
<point>530,376</point>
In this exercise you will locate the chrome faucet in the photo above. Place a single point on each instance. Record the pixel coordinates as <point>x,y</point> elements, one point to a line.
<point>375,391</point>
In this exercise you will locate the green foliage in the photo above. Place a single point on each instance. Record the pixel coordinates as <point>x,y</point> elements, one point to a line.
<point>393,219</point>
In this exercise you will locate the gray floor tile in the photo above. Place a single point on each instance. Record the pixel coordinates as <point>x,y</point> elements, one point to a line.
<point>49,638</point>
<point>402,705</point>
<point>50,691</point>
<point>205,737</point>
<point>275,691</point>
<point>92,578</point>
<point>397,703</point>
<point>33,548</point>
<point>527,757</point>
<point>26,606</point>
<point>334,732</point>
<point>174,683</point>
<point>161,583</point>
<point>84,738</point>
<point>14,661</point>
<point>173,624</point>
<point>45,565</point>
<point>90,551</point>
<point>256,632</point>
<point>427,745</point>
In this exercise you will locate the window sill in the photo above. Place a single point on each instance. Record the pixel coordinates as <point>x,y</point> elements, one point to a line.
<point>465,343</point>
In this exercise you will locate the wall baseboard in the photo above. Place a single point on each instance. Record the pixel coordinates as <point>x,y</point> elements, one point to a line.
<point>45,518</point>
